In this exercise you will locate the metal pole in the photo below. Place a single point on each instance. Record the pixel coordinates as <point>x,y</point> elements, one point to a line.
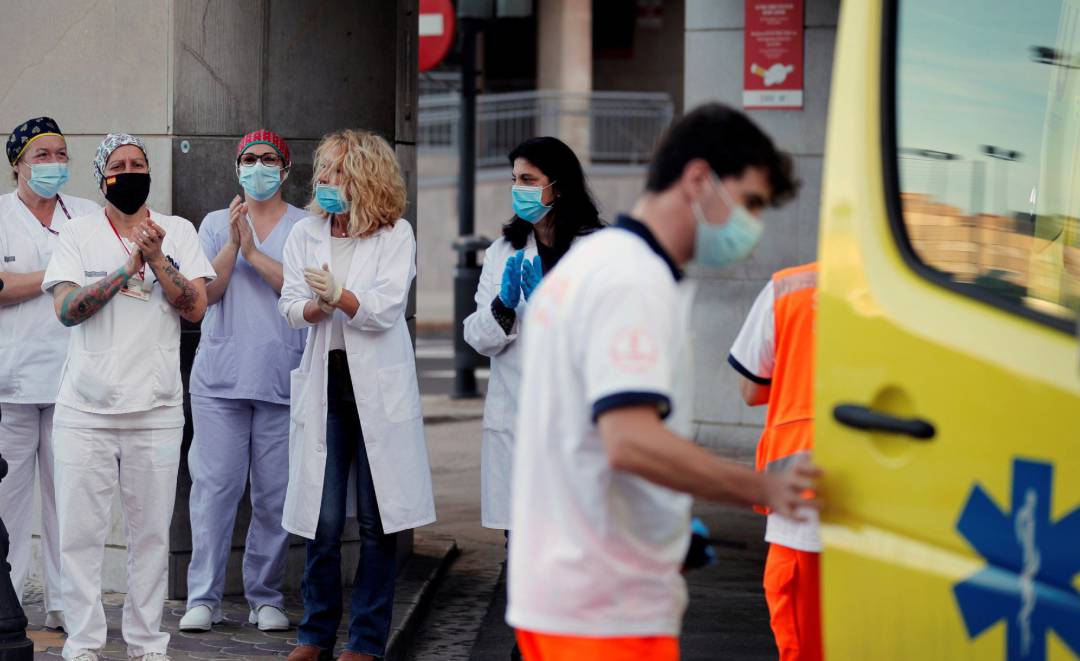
<point>467,130</point>
<point>977,195</point>
<point>467,273</point>
<point>14,645</point>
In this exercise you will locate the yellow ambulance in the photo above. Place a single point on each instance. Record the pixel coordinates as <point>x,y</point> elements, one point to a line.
<point>948,371</point>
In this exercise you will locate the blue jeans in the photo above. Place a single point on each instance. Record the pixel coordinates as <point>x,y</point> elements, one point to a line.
<point>372,598</point>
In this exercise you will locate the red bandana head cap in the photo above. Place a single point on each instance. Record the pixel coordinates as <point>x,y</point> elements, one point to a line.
<point>265,137</point>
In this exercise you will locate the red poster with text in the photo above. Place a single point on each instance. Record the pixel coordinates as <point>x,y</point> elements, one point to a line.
<point>773,54</point>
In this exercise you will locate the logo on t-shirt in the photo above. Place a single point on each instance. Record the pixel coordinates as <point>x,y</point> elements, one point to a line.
<point>9,258</point>
<point>634,350</point>
<point>549,298</point>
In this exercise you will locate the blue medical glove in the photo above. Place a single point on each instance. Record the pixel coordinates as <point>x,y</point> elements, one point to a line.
<point>531,274</point>
<point>701,552</point>
<point>510,292</point>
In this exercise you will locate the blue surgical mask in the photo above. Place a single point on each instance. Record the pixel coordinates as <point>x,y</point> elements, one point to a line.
<point>527,202</point>
<point>260,181</point>
<point>46,179</point>
<point>330,198</point>
<point>719,245</point>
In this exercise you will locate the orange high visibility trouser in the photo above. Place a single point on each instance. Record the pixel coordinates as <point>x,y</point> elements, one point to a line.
<point>793,592</point>
<point>549,647</point>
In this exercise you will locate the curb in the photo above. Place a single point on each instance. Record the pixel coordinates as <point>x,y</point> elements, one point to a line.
<point>445,419</point>
<point>431,558</point>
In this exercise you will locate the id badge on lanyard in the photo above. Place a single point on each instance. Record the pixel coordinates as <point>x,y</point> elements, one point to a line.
<point>138,286</point>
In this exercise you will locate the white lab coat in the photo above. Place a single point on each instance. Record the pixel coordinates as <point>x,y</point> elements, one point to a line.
<point>383,370</point>
<point>485,335</point>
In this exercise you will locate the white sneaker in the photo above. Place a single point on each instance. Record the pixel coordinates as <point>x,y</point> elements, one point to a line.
<point>199,618</point>
<point>269,618</point>
<point>152,656</point>
<point>54,620</point>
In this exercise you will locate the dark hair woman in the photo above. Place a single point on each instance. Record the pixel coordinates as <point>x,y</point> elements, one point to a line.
<point>552,208</point>
<point>547,163</point>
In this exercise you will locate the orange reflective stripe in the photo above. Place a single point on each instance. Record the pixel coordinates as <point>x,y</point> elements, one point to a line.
<point>536,646</point>
<point>789,422</point>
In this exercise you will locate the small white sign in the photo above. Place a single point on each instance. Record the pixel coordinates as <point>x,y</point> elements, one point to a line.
<point>770,99</point>
<point>431,25</point>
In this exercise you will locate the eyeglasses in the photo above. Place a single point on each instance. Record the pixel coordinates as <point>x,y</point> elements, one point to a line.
<point>269,159</point>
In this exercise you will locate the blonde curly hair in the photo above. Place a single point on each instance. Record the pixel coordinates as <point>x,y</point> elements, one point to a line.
<point>370,179</point>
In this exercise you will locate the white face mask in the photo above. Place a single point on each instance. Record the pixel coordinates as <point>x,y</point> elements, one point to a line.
<point>721,244</point>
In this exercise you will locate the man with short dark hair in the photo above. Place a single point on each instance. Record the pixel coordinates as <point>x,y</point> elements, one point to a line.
<point>602,488</point>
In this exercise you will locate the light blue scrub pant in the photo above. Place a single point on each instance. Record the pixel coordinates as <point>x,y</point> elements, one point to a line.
<point>234,440</point>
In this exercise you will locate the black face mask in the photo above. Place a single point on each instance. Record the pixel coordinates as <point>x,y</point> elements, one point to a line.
<point>127,191</point>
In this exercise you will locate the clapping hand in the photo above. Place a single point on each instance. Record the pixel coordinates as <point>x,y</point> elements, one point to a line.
<point>531,274</point>
<point>237,208</point>
<point>239,228</point>
<point>148,236</point>
<point>510,291</point>
<point>323,285</point>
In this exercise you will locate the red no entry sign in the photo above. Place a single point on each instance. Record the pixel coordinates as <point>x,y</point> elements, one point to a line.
<point>436,31</point>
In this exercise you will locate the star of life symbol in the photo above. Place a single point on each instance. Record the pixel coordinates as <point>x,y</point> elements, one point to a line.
<point>1031,563</point>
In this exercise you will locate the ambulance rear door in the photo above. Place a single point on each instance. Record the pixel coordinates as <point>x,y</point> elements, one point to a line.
<point>948,385</point>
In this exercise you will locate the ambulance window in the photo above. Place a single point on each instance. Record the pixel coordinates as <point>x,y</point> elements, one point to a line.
<point>987,149</point>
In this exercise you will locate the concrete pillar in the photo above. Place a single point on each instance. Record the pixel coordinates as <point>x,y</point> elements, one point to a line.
<point>302,70</point>
<point>565,64</point>
<point>714,60</point>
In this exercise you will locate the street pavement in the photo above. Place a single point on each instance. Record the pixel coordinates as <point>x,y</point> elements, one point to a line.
<point>460,617</point>
<point>435,364</point>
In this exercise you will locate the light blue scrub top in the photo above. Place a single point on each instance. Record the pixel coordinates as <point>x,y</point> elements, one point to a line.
<point>247,348</point>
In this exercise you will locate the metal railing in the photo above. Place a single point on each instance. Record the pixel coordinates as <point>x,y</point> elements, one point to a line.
<point>621,127</point>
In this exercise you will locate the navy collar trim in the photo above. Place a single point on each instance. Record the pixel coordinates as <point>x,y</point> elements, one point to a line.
<point>638,228</point>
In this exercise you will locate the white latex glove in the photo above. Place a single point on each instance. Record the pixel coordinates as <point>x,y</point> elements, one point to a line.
<point>322,283</point>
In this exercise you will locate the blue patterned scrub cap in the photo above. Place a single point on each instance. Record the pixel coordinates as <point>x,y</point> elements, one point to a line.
<point>27,132</point>
<point>111,143</point>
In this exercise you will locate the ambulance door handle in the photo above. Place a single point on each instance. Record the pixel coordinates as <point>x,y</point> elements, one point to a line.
<point>867,419</point>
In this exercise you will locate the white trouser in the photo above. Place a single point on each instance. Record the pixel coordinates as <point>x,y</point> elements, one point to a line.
<point>89,465</point>
<point>26,440</point>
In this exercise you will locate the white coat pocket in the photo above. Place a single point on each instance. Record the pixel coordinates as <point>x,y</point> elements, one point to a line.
<point>399,391</point>
<point>298,408</point>
<point>298,404</point>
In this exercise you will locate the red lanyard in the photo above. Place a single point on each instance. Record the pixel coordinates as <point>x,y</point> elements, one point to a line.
<point>63,207</point>
<point>142,269</point>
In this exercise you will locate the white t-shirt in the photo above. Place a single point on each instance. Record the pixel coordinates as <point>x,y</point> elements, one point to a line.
<point>341,254</point>
<point>126,358</point>
<point>33,342</point>
<point>754,356</point>
<point>595,551</point>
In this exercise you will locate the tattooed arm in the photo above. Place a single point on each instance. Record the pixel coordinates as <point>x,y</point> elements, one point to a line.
<point>187,296</point>
<point>75,304</point>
